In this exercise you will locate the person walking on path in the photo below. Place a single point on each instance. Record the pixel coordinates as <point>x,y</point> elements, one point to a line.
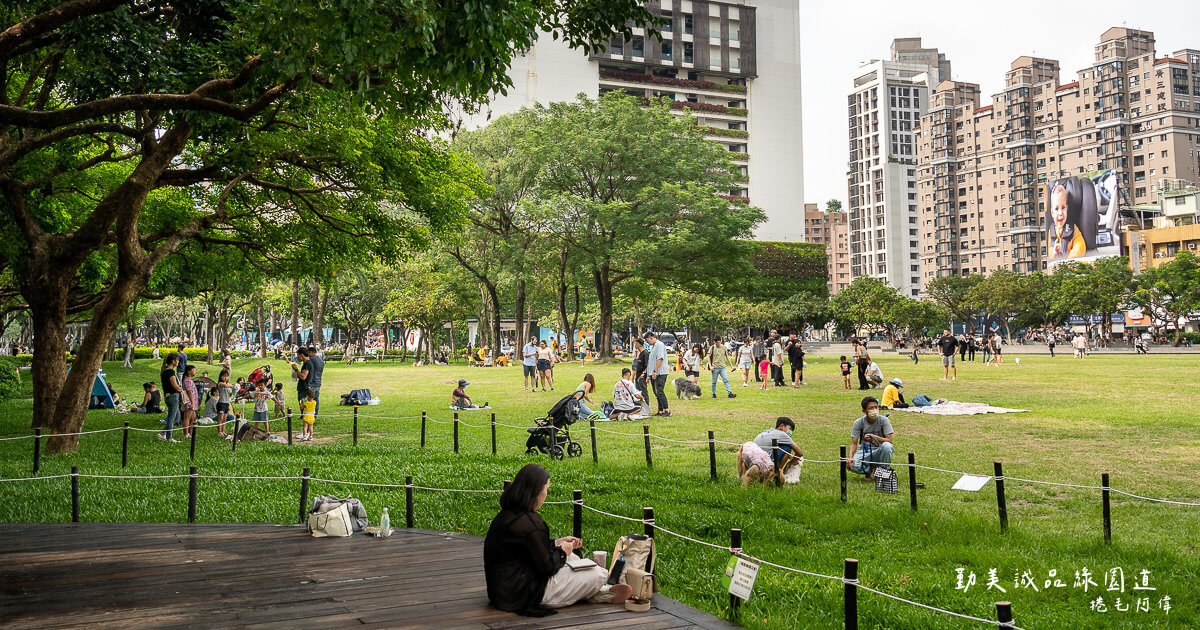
<point>658,369</point>
<point>718,362</point>
<point>947,344</point>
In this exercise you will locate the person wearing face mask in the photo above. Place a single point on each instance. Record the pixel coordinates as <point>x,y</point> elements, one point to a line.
<point>870,439</point>
<point>759,458</point>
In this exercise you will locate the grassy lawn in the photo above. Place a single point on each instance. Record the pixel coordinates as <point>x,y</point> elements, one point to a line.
<point>1131,416</point>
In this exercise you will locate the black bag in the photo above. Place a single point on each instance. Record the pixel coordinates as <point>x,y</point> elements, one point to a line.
<point>357,397</point>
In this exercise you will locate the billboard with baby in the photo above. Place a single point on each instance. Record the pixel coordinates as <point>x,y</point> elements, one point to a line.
<point>1081,218</point>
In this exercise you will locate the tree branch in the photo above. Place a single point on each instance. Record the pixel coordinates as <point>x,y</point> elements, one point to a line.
<point>22,33</point>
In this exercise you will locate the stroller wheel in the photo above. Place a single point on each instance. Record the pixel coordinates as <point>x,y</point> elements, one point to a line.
<point>556,452</point>
<point>531,451</point>
<point>574,449</point>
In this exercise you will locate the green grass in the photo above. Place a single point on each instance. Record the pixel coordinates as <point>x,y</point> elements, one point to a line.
<point>1129,416</point>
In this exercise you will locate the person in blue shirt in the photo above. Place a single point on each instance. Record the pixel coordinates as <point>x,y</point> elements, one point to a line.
<point>529,363</point>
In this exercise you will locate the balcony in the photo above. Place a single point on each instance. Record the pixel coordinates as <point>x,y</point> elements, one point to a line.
<point>649,79</point>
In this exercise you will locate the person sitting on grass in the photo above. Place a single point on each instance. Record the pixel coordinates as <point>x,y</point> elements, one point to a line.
<point>152,402</point>
<point>583,394</point>
<point>308,415</point>
<point>870,439</point>
<point>762,456</point>
<point>525,570</point>
<point>893,396</point>
<point>460,398</point>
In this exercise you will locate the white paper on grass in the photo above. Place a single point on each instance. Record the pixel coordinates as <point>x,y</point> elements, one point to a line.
<point>971,483</point>
<point>744,575</point>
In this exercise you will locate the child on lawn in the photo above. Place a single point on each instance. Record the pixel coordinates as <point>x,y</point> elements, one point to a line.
<point>308,413</point>
<point>763,366</point>
<point>845,372</point>
<point>261,397</point>
<point>280,404</point>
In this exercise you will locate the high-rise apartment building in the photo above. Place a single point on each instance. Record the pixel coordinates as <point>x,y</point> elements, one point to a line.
<point>830,229</point>
<point>884,107</point>
<point>735,66</point>
<point>983,170</point>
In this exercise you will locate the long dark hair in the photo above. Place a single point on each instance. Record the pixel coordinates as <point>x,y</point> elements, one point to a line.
<point>522,493</point>
<point>170,358</point>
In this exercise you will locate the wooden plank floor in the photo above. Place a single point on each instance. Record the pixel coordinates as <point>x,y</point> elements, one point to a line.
<point>120,575</point>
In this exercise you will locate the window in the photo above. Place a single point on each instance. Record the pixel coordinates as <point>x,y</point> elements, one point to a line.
<point>688,24</point>
<point>666,51</point>
<point>688,52</point>
<point>639,46</point>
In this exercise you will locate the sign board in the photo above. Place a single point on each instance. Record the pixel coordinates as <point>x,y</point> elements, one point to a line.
<point>739,578</point>
<point>971,483</point>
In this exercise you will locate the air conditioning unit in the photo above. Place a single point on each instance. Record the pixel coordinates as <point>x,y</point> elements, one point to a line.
<point>1191,246</point>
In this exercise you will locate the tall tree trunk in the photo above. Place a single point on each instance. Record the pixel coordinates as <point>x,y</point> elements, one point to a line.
<point>320,317</point>
<point>564,324</point>
<point>637,319</point>
<point>296,312</point>
<point>403,342</point>
<point>604,297</point>
<point>210,329</point>
<point>519,308</point>
<point>318,335</point>
<point>262,329</point>
<point>575,320</point>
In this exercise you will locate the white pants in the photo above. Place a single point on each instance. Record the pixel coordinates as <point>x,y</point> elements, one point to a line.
<point>567,587</point>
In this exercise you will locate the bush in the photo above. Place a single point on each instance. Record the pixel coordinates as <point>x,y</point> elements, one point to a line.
<point>10,377</point>
<point>147,352</point>
<point>728,133</point>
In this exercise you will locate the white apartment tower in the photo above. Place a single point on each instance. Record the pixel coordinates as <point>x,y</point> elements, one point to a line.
<point>734,65</point>
<point>885,105</point>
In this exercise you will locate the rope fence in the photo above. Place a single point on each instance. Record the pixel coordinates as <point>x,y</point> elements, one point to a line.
<point>850,579</point>
<point>559,450</point>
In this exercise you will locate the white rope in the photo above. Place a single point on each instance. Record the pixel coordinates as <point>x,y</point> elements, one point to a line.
<point>250,478</point>
<point>184,476</point>
<point>624,518</point>
<point>37,478</point>
<point>1153,499</point>
<point>992,622</point>
<point>1053,483</point>
<point>619,433</point>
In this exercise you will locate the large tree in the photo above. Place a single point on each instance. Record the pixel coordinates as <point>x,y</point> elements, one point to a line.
<point>635,192</point>
<point>129,128</point>
<point>1170,291</point>
<point>953,293</point>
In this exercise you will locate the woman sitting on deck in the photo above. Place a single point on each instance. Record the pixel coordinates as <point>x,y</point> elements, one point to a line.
<point>526,570</point>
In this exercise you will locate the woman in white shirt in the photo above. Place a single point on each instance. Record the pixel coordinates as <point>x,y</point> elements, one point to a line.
<point>691,363</point>
<point>545,364</point>
<point>745,361</point>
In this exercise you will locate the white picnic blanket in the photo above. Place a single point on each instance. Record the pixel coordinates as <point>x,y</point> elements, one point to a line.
<point>955,408</point>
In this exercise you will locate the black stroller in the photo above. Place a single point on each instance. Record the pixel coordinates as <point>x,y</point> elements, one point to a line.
<point>552,435</point>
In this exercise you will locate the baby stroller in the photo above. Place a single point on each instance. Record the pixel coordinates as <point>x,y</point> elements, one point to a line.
<point>261,374</point>
<point>551,435</point>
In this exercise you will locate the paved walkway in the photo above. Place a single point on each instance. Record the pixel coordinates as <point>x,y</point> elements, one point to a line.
<point>118,575</point>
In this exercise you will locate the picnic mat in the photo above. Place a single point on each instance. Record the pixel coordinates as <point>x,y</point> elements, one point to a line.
<point>955,408</point>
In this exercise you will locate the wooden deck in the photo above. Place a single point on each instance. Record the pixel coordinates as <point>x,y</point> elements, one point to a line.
<point>118,575</point>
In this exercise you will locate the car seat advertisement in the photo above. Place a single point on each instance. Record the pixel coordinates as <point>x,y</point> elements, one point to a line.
<point>1081,218</point>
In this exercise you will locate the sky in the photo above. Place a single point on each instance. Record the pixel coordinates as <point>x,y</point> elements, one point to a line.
<point>979,39</point>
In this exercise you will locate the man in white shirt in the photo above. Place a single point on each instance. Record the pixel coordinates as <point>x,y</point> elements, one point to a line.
<point>657,370</point>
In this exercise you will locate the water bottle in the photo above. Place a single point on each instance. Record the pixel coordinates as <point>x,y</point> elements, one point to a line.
<point>385,524</point>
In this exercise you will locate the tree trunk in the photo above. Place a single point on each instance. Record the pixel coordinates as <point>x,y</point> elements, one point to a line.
<point>564,324</point>
<point>210,327</point>
<point>604,297</point>
<point>519,308</point>
<point>494,307</point>
<point>318,335</point>
<point>262,329</point>
<point>403,342</point>
<point>575,318</point>
<point>296,312</point>
<point>320,317</point>
<point>637,319</point>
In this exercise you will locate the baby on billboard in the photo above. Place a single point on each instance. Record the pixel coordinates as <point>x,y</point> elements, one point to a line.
<point>1081,217</point>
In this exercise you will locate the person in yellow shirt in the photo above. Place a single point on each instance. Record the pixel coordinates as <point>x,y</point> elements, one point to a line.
<point>893,398</point>
<point>308,413</point>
